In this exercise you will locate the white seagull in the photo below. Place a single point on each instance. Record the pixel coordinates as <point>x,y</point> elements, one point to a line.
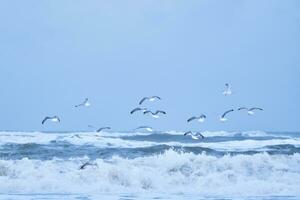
<point>138,109</point>
<point>155,114</point>
<point>53,119</point>
<point>227,90</point>
<point>223,117</point>
<point>147,128</point>
<point>85,103</point>
<point>201,118</point>
<point>153,98</point>
<point>250,111</point>
<point>195,136</point>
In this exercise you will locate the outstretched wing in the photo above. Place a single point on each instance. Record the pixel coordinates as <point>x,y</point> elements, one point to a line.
<point>148,111</point>
<point>160,111</point>
<point>58,119</point>
<point>103,128</point>
<point>242,108</point>
<point>156,97</point>
<point>83,103</point>
<point>255,108</point>
<point>225,113</point>
<point>187,133</point>
<point>143,99</point>
<point>45,119</point>
<point>191,119</point>
<point>134,110</point>
<point>198,134</point>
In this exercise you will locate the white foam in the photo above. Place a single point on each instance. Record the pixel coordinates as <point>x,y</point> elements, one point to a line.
<point>171,172</point>
<point>243,145</point>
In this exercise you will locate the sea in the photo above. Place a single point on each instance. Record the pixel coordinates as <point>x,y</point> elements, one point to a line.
<point>252,165</point>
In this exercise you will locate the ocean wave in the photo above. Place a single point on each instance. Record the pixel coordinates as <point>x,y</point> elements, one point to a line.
<point>170,172</point>
<point>101,141</point>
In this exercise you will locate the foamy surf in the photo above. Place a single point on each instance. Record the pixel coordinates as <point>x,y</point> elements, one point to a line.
<point>170,172</point>
<point>251,165</point>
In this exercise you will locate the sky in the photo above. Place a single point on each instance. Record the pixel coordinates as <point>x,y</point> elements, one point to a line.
<point>53,54</point>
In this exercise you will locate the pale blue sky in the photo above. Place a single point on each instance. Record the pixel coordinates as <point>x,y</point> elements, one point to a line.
<point>55,53</point>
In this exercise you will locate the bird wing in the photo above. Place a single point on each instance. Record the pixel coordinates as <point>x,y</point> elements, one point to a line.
<point>143,99</point>
<point>255,108</point>
<point>45,119</point>
<point>189,132</point>
<point>191,119</point>
<point>143,127</point>
<point>103,128</point>
<point>198,134</point>
<point>134,110</point>
<point>203,116</point>
<point>84,165</point>
<point>148,111</point>
<point>225,113</point>
<point>84,102</point>
<point>242,108</point>
<point>157,97</point>
<point>160,111</point>
<point>79,105</point>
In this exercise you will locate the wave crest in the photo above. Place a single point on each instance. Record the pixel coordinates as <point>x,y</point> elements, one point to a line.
<point>170,172</point>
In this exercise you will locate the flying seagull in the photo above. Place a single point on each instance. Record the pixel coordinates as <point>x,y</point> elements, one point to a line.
<point>103,128</point>
<point>87,164</point>
<point>201,118</point>
<point>53,119</point>
<point>155,114</point>
<point>195,136</point>
<point>138,109</point>
<point>153,98</point>
<point>147,128</point>
<point>223,117</point>
<point>85,103</point>
<point>227,90</point>
<point>250,111</point>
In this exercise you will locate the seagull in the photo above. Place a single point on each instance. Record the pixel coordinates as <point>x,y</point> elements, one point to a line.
<point>223,118</point>
<point>147,128</point>
<point>87,164</point>
<point>155,114</point>
<point>227,91</point>
<point>85,103</point>
<point>195,136</point>
<point>138,109</point>
<point>250,111</point>
<point>153,98</point>
<point>103,128</point>
<point>201,118</point>
<point>53,119</point>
